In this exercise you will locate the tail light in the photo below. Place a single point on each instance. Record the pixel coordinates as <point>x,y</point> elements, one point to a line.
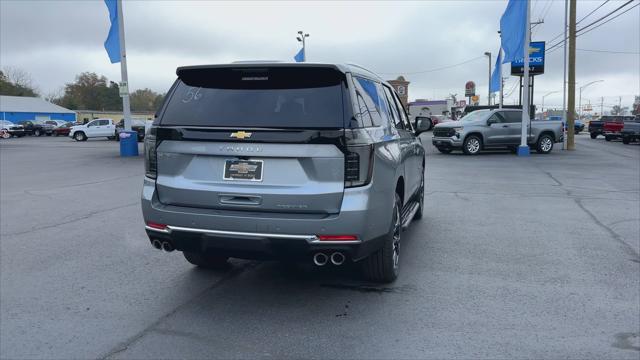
<point>358,165</point>
<point>150,156</point>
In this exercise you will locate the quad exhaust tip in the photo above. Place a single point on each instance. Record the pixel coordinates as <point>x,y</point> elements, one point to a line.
<point>337,258</point>
<point>320,259</point>
<point>157,244</point>
<point>166,246</point>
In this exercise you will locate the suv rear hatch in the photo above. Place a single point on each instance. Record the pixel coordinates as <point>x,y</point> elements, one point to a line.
<point>261,139</point>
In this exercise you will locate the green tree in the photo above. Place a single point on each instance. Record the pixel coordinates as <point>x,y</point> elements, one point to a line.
<point>91,92</point>
<point>16,82</point>
<point>146,100</point>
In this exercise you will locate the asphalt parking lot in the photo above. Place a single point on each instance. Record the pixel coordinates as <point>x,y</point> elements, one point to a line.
<point>515,258</point>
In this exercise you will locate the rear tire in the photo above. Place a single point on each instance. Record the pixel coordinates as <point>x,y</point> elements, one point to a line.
<point>472,145</point>
<point>545,144</point>
<point>382,266</point>
<point>626,140</point>
<point>37,133</point>
<point>594,135</point>
<point>207,261</point>
<point>444,150</point>
<point>608,138</point>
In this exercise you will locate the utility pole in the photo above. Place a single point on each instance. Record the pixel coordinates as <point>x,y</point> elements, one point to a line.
<point>523,149</point>
<point>601,105</point>
<point>489,85</point>
<point>571,108</point>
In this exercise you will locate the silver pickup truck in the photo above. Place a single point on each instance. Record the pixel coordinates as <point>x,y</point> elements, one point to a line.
<point>495,129</point>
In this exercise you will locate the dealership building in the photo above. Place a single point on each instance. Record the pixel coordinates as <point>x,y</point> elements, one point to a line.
<point>18,108</point>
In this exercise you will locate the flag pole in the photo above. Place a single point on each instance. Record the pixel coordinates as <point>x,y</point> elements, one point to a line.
<point>523,149</point>
<point>126,107</point>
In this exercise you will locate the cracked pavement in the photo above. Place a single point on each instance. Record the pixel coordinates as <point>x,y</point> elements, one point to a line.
<point>515,258</point>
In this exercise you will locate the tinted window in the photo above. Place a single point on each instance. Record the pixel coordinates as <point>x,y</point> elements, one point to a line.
<point>276,98</point>
<point>497,118</point>
<point>395,115</point>
<point>403,114</point>
<point>94,123</point>
<point>512,116</point>
<point>369,101</point>
<point>103,122</point>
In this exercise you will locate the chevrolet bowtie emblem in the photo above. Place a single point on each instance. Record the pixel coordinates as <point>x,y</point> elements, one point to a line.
<point>240,135</point>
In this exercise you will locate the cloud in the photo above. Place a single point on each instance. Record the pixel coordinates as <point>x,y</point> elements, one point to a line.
<point>56,40</point>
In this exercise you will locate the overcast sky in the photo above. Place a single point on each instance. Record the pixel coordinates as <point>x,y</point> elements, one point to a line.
<point>56,40</point>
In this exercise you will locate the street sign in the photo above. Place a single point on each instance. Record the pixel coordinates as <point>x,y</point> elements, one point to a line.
<point>536,60</point>
<point>475,99</point>
<point>124,88</point>
<point>470,88</point>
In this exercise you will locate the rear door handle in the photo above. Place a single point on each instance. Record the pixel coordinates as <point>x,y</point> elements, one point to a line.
<point>505,125</point>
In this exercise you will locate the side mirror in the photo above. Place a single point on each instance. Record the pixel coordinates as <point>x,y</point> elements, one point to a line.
<point>491,121</point>
<point>421,126</point>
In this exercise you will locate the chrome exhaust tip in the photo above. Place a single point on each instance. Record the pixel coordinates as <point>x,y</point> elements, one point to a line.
<point>320,259</point>
<point>166,246</point>
<point>337,258</point>
<point>157,244</point>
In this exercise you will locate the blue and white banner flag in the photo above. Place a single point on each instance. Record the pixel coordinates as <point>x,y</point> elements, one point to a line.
<point>496,76</point>
<point>299,56</point>
<point>513,29</point>
<point>112,44</point>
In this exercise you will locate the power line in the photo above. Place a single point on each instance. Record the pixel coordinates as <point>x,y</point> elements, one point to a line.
<point>594,10</point>
<point>436,69</point>
<point>579,31</point>
<point>610,51</point>
<point>579,21</point>
<point>606,16</point>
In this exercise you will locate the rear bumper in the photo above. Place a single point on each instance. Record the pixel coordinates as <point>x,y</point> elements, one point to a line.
<point>251,235</point>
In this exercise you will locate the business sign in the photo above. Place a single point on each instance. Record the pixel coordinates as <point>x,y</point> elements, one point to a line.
<point>536,60</point>
<point>461,103</point>
<point>469,88</point>
<point>475,99</point>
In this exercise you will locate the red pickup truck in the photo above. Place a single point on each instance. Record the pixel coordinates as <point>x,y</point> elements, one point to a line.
<point>612,130</point>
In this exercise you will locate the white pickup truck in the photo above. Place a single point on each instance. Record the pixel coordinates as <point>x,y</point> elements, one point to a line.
<point>93,129</point>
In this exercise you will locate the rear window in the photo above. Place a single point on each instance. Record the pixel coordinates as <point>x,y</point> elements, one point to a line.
<point>257,97</point>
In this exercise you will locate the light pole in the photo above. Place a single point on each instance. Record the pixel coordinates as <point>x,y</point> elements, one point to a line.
<point>544,96</point>
<point>580,97</point>
<point>302,36</point>
<point>489,85</point>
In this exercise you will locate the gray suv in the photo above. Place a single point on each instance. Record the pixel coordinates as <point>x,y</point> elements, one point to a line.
<point>285,161</point>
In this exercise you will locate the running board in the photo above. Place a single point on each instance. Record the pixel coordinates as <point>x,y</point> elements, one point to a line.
<point>408,212</point>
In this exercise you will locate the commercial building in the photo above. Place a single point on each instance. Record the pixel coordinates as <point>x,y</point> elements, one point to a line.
<point>85,116</point>
<point>18,108</point>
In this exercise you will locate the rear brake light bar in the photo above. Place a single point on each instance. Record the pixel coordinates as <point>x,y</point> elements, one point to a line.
<point>337,237</point>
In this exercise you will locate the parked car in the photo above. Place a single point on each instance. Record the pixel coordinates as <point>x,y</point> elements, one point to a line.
<point>63,130</point>
<point>578,126</point>
<point>596,127</point>
<point>10,129</point>
<point>94,129</point>
<point>279,160</point>
<point>36,128</point>
<point>137,125</point>
<point>631,132</point>
<point>55,123</point>
<point>491,129</point>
